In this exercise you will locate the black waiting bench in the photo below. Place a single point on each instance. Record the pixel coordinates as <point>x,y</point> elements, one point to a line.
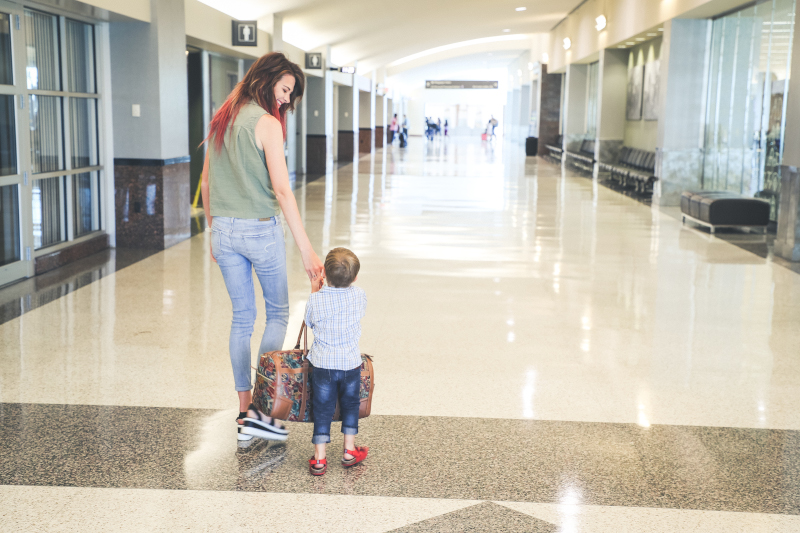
<point>555,150</point>
<point>723,209</point>
<point>633,166</point>
<point>585,157</point>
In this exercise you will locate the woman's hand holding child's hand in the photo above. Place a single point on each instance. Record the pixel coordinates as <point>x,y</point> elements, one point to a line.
<point>316,284</point>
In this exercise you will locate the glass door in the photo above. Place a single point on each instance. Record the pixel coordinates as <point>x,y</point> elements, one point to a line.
<point>15,246</point>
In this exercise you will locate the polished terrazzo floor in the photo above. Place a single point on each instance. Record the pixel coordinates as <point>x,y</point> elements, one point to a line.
<point>550,355</point>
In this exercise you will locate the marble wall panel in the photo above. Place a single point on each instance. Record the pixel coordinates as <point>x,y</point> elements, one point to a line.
<point>573,142</point>
<point>139,206</point>
<point>152,201</point>
<point>549,110</point>
<point>677,171</point>
<point>379,137</point>
<point>67,255</point>
<point>365,140</point>
<point>346,145</point>
<point>316,154</point>
<point>608,150</point>
<point>787,241</point>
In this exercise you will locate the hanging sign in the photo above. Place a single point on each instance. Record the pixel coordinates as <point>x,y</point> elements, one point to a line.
<point>454,84</point>
<point>245,33</point>
<point>314,60</point>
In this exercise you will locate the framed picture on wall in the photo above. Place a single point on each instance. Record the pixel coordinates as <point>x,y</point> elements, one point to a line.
<point>635,82</point>
<point>651,76</point>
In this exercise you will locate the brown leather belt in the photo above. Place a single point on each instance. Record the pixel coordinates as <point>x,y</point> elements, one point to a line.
<point>265,219</point>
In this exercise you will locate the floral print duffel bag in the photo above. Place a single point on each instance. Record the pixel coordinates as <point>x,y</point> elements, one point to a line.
<point>283,384</point>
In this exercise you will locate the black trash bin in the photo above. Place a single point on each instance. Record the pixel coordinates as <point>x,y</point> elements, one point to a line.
<point>531,146</point>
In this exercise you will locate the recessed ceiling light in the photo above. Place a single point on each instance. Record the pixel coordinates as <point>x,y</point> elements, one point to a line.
<point>521,8</point>
<point>622,46</point>
<point>652,34</point>
<point>640,38</point>
<point>660,29</point>
<point>506,30</point>
<point>567,43</point>
<point>630,44</point>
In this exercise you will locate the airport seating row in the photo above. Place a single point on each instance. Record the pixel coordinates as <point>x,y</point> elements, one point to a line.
<point>555,150</point>
<point>584,158</point>
<point>633,166</point>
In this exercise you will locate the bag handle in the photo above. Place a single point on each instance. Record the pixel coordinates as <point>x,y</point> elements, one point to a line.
<point>304,336</point>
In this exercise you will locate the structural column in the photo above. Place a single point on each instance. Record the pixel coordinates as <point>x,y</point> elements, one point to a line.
<point>787,242</point>
<point>574,107</point>
<point>366,114</point>
<point>380,120</point>
<point>151,128</point>
<point>549,110</point>
<point>679,155</point>
<point>611,98</point>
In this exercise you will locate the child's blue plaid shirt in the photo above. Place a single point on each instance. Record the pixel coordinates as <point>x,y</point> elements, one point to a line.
<point>334,315</point>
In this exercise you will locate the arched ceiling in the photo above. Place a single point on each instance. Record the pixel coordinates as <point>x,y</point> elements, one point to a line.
<point>375,33</point>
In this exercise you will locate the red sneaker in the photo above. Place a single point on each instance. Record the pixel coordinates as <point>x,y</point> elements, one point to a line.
<point>359,454</point>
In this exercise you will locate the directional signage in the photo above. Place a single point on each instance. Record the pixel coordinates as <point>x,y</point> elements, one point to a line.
<point>245,33</point>
<point>455,84</point>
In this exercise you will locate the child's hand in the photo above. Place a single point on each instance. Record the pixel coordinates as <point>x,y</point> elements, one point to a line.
<point>316,284</point>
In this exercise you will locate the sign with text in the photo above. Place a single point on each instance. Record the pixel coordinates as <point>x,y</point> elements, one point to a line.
<point>245,33</point>
<point>454,84</point>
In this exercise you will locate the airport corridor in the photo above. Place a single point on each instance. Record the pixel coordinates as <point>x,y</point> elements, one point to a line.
<point>550,355</point>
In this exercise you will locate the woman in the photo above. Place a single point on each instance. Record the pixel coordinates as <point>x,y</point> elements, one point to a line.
<point>245,188</point>
<point>393,129</point>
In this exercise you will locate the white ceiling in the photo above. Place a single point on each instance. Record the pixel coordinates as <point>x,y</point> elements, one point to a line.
<point>377,32</point>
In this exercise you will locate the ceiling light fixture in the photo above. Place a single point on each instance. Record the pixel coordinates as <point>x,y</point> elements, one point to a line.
<point>521,8</point>
<point>630,44</point>
<point>622,46</point>
<point>506,30</point>
<point>601,23</point>
<point>640,39</point>
<point>567,43</point>
<point>652,34</point>
<point>660,29</point>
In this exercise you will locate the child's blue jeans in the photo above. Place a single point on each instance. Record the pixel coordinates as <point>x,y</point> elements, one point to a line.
<point>328,386</point>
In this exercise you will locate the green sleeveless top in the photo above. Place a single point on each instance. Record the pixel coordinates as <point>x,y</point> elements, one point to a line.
<point>239,184</point>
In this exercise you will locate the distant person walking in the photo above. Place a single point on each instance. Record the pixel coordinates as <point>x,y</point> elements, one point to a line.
<point>393,129</point>
<point>245,188</point>
<point>492,125</point>
<point>445,127</point>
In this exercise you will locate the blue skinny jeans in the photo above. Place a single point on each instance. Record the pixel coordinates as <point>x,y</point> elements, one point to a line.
<point>329,386</point>
<point>239,246</point>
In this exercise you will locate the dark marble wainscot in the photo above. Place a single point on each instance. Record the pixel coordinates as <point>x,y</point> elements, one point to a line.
<point>365,140</point>
<point>316,153</point>
<point>379,136</point>
<point>346,148</point>
<point>64,256</point>
<point>152,202</point>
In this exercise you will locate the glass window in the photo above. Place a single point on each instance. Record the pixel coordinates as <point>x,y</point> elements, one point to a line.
<point>48,212</point>
<point>9,225</point>
<point>41,43</point>
<point>746,111</point>
<point>6,70</point>
<point>80,57</point>
<point>47,146</point>
<point>83,115</point>
<point>8,136</point>
<point>84,195</point>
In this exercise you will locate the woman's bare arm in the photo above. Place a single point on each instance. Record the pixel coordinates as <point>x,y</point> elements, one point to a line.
<point>269,135</point>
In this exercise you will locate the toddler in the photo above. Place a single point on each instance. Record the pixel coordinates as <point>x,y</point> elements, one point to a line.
<point>334,314</point>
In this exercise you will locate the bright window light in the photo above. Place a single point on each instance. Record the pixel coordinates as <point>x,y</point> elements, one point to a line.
<point>545,58</point>
<point>567,43</point>
<point>600,23</point>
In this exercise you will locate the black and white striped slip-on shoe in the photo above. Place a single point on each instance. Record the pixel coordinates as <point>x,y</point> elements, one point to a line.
<point>241,437</point>
<point>257,427</point>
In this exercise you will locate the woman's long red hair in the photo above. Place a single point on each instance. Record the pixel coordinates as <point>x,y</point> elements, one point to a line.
<point>258,85</point>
